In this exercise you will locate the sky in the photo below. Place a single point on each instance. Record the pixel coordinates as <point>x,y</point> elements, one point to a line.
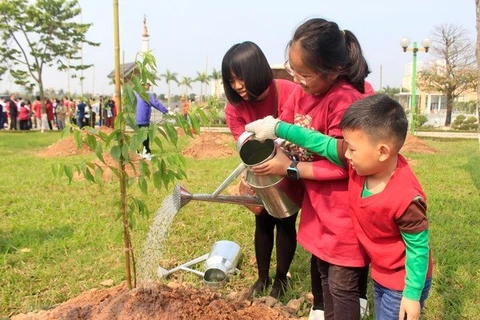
<point>190,36</point>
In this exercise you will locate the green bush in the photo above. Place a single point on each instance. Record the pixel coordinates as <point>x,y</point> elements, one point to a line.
<point>462,123</point>
<point>421,120</point>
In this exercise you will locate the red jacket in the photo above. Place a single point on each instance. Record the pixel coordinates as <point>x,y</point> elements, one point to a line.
<point>37,108</point>
<point>375,217</point>
<point>49,107</point>
<point>326,228</point>
<point>23,114</point>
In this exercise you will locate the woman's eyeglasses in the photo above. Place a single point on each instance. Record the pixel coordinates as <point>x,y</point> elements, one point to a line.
<point>303,80</point>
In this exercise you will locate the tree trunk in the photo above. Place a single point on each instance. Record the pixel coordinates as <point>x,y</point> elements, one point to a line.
<point>43,118</point>
<point>448,117</point>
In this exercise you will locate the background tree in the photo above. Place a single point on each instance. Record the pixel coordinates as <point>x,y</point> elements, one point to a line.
<point>215,76</point>
<point>202,77</point>
<point>39,34</point>
<point>169,77</point>
<point>390,91</point>
<point>187,83</point>
<point>454,71</point>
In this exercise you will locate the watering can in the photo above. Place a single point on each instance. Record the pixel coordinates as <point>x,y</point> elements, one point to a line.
<point>219,264</point>
<point>275,193</point>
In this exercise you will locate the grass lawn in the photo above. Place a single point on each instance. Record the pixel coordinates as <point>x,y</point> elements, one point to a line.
<point>58,240</point>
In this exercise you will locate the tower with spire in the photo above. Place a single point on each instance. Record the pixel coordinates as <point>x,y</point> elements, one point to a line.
<point>145,36</point>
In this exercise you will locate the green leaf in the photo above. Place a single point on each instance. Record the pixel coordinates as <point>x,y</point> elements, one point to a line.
<point>171,132</point>
<point>88,175</point>
<point>69,173</point>
<point>99,175</point>
<point>116,153</point>
<point>195,122</point>
<point>99,153</point>
<point>157,180</point>
<point>77,136</point>
<point>142,183</point>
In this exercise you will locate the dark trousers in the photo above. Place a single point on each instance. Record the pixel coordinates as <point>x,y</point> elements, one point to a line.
<point>340,291</point>
<point>13,122</point>
<point>146,142</point>
<point>24,125</point>
<point>317,290</point>
<point>286,243</point>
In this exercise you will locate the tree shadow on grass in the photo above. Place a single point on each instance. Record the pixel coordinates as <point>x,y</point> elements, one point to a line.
<point>11,242</point>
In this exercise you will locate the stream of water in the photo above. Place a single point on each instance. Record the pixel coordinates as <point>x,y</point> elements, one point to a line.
<point>152,251</point>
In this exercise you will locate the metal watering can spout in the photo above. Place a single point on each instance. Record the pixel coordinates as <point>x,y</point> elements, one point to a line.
<point>183,196</point>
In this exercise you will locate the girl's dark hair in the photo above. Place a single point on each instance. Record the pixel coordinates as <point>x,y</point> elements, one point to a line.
<point>247,62</point>
<point>379,117</point>
<point>327,49</point>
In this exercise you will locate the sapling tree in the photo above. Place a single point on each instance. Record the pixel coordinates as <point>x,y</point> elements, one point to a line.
<point>36,35</point>
<point>121,144</point>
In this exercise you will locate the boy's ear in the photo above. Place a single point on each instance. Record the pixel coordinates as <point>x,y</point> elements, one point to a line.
<point>384,152</point>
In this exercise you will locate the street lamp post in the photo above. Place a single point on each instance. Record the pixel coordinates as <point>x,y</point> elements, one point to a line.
<point>404,43</point>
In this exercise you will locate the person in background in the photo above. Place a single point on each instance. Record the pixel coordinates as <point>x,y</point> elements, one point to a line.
<point>23,115</point>
<point>61,114</point>
<point>2,114</point>
<point>185,106</point>
<point>37,109</point>
<point>12,109</point>
<point>329,66</point>
<point>50,116</point>
<point>143,114</point>
<point>95,109</point>
<point>108,115</point>
<point>81,113</point>
<point>381,181</point>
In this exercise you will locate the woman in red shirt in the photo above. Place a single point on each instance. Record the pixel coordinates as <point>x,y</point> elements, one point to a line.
<point>329,66</point>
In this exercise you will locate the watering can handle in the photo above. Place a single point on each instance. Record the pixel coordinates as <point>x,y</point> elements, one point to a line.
<point>241,167</point>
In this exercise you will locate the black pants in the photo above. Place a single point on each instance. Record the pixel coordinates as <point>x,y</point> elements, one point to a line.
<point>286,243</point>
<point>340,290</point>
<point>146,142</point>
<point>13,122</point>
<point>317,290</point>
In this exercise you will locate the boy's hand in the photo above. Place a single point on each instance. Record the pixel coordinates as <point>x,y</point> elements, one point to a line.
<point>263,128</point>
<point>409,309</point>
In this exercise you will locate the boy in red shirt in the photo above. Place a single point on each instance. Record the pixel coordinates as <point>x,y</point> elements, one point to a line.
<point>387,203</point>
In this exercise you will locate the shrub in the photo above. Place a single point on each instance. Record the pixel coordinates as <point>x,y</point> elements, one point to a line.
<point>421,120</point>
<point>463,123</point>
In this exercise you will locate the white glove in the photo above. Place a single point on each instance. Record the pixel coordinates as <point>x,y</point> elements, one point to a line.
<point>263,128</point>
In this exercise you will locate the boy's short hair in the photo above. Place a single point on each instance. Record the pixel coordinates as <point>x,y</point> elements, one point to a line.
<point>380,117</point>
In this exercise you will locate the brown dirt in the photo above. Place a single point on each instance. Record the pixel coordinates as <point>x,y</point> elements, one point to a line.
<point>416,145</point>
<point>158,302</point>
<point>210,145</point>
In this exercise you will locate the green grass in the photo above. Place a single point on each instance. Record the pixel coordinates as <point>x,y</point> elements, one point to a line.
<point>58,240</point>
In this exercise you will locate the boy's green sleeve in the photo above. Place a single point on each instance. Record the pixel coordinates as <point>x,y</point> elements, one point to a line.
<point>312,140</point>
<point>416,263</point>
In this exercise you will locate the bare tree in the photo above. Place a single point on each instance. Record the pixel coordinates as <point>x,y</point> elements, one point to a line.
<point>453,71</point>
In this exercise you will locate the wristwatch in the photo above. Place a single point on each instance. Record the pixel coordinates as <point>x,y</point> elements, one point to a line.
<point>292,171</point>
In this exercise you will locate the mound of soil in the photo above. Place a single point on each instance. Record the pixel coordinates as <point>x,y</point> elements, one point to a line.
<point>416,145</point>
<point>157,302</point>
<point>67,147</point>
<point>210,145</point>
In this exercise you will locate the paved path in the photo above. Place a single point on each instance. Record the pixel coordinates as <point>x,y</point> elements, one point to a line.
<point>437,134</point>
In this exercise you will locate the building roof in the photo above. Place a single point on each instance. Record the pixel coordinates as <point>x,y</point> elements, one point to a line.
<point>125,70</point>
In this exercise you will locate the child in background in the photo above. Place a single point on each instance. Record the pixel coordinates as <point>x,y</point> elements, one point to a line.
<point>387,203</point>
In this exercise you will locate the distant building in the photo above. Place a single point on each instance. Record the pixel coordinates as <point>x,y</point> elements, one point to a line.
<point>126,70</point>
